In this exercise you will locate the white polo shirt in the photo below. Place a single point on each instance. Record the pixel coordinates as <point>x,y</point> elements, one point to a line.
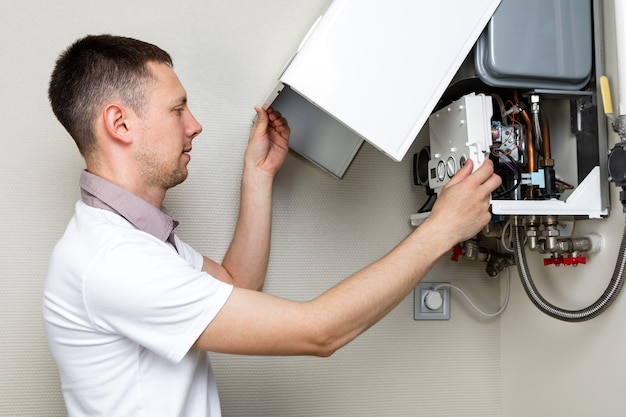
<point>122,309</point>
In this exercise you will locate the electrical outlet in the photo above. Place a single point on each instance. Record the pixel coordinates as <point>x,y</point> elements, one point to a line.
<point>439,308</point>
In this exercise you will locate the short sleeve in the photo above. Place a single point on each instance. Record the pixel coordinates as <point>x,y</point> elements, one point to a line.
<point>188,253</point>
<point>142,289</point>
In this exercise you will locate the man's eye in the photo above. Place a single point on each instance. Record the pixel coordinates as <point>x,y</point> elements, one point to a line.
<point>179,111</point>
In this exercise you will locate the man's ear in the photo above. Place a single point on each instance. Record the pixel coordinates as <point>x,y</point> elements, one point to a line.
<point>116,122</point>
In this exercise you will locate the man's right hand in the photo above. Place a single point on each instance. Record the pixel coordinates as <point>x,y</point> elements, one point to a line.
<point>462,207</point>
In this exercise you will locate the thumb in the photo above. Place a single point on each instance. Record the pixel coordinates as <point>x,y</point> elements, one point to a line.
<point>260,125</point>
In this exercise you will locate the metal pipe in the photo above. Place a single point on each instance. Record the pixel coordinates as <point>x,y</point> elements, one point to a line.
<point>598,307</point>
<point>545,133</point>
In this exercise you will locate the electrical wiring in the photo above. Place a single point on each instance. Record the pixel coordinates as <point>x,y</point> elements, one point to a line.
<point>513,109</point>
<point>507,232</point>
<point>518,177</point>
<point>503,307</point>
<point>423,208</point>
<point>509,144</point>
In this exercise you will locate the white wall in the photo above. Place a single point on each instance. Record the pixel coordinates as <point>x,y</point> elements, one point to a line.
<point>228,54</point>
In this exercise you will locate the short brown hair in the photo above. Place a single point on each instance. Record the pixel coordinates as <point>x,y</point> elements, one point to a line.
<point>97,68</point>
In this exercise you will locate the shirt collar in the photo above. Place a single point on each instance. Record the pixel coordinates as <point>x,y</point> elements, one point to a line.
<point>100,193</point>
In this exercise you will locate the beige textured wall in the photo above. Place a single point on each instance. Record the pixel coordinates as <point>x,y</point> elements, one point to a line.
<point>228,54</point>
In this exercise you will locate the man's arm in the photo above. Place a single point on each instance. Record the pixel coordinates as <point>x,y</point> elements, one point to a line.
<point>245,262</point>
<point>260,324</point>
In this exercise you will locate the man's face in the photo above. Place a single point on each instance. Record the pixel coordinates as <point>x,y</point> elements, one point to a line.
<point>168,127</point>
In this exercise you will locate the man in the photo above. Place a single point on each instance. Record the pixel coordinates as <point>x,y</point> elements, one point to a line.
<point>130,309</point>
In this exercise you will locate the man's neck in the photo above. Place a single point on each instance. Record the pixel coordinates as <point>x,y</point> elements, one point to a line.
<point>152,195</point>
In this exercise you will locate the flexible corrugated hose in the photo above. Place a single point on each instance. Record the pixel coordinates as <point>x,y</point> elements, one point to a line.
<point>587,313</point>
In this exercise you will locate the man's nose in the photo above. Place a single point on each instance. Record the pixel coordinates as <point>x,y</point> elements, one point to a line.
<point>194,128</point>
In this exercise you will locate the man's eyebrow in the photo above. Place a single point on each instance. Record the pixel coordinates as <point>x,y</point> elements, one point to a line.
<point>180,100</point>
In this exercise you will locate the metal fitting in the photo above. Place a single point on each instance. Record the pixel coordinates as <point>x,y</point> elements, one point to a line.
<point>619,126</point>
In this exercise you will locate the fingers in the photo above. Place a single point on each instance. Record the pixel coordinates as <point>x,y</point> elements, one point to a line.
<point>462,173</point>
<point>493,182</point>
<point>462,206</point>
<point>486,177</point>
<point>278,122</point>
<point>485,172</point>
<point>483,175</point>
<point>269,119</point>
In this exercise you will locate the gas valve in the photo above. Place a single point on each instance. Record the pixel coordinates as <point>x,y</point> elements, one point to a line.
<point>565,260</point>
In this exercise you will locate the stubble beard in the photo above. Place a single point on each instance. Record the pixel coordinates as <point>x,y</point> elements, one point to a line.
<point>156,174</point>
